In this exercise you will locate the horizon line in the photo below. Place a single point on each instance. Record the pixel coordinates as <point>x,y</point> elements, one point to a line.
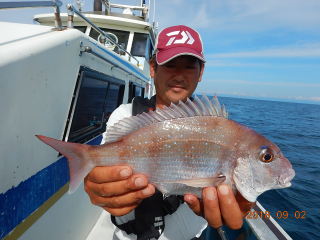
<point>273,99</point>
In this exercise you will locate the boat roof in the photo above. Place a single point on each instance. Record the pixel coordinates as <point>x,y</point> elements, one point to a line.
<point>19,31</point>
<point>100,17</point>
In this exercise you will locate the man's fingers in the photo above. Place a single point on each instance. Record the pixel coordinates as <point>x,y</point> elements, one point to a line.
<point>211,207</point>
<point>136,182</point>
<point>194,204</point>
<point>229,207</point>
<point>131,198</point>
<point>109,174</point>
<point>118,212</point>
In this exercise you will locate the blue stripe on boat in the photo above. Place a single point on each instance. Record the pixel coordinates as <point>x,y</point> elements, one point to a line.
<point>19,202</point>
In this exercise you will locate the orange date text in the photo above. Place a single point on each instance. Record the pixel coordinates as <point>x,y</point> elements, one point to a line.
<point>280,215</point>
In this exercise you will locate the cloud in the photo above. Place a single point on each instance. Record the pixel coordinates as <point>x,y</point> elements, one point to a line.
<point>241,16</point>
<point>312,50</point>
<point>223,15</point>
<point>316,99</point>
<point>313,99</point>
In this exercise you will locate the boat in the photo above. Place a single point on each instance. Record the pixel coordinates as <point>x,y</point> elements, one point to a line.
<point>63,78</point>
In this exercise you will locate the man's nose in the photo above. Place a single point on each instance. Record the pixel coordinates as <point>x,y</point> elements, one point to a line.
<point>179,74</point>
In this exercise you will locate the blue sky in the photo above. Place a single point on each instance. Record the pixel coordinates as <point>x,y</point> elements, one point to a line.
<point>266,49</point>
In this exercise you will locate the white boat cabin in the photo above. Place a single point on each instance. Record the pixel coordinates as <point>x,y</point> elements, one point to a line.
<point>62,82</point>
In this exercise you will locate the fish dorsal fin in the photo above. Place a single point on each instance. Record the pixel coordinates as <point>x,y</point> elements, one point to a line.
<point>197,107</point>
<point>216,105</point>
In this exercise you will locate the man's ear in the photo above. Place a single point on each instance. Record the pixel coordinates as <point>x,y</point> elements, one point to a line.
<point>152,68</point>
<point>201,72</point>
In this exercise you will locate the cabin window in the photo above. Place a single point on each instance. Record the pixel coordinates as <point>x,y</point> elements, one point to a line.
<point>135,91</point>
<point>122,36</point>
<point>96,97</point>
<point>115,96</point>
<point>81,28</point>
<point>138,91</point>
<point>140,45</point>
<point>150,50</point>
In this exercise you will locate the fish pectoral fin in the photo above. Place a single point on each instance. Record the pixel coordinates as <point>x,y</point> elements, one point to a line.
<point>201,182</point>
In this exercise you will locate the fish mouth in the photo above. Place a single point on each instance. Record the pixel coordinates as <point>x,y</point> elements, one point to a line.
<point>284,180</point>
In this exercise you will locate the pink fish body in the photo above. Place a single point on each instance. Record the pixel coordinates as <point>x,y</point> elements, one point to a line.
<point>184,148</point>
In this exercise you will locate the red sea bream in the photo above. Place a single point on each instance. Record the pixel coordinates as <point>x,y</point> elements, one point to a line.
<point>184,148</point>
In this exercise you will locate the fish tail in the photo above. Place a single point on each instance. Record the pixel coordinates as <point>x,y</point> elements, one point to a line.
<point>76,153</point>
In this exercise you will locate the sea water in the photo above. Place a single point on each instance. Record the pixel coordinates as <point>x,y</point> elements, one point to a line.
<point>295,128</point>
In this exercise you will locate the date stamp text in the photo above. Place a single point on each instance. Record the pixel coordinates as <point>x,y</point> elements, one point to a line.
<point>280,215</point>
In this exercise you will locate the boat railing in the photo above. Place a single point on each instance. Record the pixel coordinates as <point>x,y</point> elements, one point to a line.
<point>71,10</point>
<point>55,4</point>
<point>88,49</point>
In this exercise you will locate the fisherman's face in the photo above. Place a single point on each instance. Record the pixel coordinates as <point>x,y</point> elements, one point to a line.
<point>176,80</point>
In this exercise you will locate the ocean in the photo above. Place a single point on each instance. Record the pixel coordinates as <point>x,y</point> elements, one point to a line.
<point>295,128</point>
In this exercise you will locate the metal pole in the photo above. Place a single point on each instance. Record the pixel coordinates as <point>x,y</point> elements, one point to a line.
<point>57,21</point>
<point>31,4</point>
<point>55,4</point>
<point>102,33</point>
<point>154,9</point>
<point>222,234</point>
<point>70,17</point>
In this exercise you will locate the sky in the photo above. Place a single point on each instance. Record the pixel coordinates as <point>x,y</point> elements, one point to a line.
<point>257,49</point>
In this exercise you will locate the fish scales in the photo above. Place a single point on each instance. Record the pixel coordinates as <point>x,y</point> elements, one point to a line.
<point>202,143</point>
<point>183,154</point>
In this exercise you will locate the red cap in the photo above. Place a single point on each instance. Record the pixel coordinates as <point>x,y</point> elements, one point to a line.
<point>176,41</point>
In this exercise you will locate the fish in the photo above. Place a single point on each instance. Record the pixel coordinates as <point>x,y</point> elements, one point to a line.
<point>184,148</point>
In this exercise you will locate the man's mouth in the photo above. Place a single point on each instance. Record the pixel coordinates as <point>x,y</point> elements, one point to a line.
<point>177,88</point>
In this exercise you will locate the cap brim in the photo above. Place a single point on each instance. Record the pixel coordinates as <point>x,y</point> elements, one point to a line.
<point>169,54</point>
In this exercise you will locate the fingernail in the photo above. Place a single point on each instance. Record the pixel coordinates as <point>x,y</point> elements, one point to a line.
<point>223,189</point>
<point>188,200</point>
<point>209,193</point>
<point>125,172</point>
<point>139,182</point>
<point>147,191</point>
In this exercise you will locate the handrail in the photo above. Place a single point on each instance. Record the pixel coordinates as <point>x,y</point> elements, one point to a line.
<point>56,4</point>
<point>30,4</point>
<point>90,50</point>
<point>72,9</point>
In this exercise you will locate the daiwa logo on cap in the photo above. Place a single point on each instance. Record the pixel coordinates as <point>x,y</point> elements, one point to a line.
<point>185,36</point>
<point>177,41</point>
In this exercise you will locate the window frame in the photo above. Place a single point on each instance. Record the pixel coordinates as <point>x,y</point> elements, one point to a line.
<point>106,30</point>
<point>88,135</point>
<point>132,89</point>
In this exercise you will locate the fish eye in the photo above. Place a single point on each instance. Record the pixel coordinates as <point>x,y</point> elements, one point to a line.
<point>266,156</point>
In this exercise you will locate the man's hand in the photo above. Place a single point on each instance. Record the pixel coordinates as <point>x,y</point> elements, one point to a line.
<point>220,206</point>
<point>116,190</point>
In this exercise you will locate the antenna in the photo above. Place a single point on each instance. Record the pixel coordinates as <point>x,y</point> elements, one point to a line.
<point>148,12</point>
<point>154,9</point>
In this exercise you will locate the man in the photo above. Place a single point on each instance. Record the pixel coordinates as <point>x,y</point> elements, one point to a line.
<point>176,67</point>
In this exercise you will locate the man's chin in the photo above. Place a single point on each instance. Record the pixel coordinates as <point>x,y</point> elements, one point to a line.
<point>176,97</point>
